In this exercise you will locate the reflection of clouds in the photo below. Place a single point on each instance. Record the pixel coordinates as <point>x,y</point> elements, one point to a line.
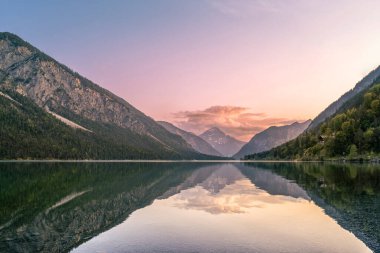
<point>234,198</point>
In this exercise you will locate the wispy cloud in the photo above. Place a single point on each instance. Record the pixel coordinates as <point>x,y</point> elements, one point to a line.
<point>244,8</point>
<point>236,121</point>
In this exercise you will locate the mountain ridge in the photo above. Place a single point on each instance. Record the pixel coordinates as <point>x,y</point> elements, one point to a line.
<point>223,143</point>
<point>56,88</point>
<point>336,105</point>
<point>352,133</point>
<point>196,142</point>
<point>272,137</point>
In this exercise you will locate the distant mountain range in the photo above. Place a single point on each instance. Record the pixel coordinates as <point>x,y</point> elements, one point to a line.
<point>223,143</point>
<point>49,111</point>
<point>348,129</point>
<point>196,142</point>
<point>272,137</point>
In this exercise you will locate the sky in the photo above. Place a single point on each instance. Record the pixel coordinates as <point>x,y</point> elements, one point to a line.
<point>240,65</point>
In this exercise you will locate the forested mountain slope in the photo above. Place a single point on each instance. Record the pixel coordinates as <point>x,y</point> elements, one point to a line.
<point>98,124</point>
<point>366,82</point>
<point>353,133</point>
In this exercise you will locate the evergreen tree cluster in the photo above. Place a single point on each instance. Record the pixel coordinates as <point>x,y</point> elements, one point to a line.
<point>29,132</point>
<point>353,133</point>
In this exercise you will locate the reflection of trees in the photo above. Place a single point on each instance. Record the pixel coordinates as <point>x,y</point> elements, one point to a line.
<point>350,193</point>
<point>113,191</point>
<point>273,183</point>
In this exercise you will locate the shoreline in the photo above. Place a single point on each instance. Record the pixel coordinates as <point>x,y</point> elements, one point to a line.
<point>181,161</point>
<point>158,161</point>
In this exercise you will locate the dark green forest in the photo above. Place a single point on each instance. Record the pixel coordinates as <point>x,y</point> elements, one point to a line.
<point>352,133</point>
<point>28,132</point>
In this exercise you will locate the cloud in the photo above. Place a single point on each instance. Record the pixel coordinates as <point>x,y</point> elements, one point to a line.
<point>238,197</point>
<point>236,121</point>
<point>244,8</point>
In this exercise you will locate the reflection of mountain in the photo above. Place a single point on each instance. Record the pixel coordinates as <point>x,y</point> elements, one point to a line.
<point>58,206</point>
<point>213,178</point>
<point>222,188</point>
<point>226,174</point>
<point>55,207</point>
<point>349,193</point>
<point>192,180</point>
<point>273,183</point>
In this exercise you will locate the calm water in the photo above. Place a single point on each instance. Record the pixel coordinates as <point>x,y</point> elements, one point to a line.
<point>189,207</point>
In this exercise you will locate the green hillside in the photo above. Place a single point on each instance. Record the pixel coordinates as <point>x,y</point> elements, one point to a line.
<point>29,132</point>
<point>37,93</point>
<point>352,133</point>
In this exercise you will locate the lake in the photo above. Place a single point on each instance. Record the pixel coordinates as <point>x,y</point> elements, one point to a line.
<point>189,207</point>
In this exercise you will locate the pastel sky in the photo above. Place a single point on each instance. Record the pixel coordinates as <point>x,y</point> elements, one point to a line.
<point>247,63</point>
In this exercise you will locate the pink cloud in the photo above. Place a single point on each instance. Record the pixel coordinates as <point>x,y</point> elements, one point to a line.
<point>236,121</point>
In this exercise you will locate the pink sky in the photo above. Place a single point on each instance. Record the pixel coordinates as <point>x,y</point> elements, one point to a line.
<point>282,60</point>
<point>285,62</point>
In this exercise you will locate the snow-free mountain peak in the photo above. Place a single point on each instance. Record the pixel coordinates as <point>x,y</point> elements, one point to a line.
<point>195,141</point>
<point>52,91</point>
<point>223,143</point>
<point>272,137</point>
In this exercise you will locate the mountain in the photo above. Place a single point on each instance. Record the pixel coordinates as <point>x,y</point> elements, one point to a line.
<point>45,103</point>
<point>272,137</point>
<point>224,144</point>
<point>334,107</point>
<point>353,132</point>
<point>196,142</point>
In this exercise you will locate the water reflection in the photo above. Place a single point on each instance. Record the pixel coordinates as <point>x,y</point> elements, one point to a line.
<point>188,207</point>
<point>219,209</point>
<point>227,190</point>
<point>53,207</point>
<point>350,193</point>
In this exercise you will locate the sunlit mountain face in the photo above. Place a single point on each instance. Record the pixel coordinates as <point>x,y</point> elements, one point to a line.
<point>223,143</point>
